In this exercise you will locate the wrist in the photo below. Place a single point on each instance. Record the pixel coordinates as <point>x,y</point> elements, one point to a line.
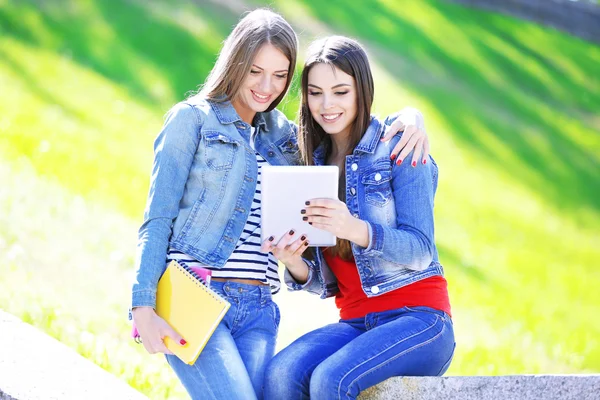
<point>299,270</point>
<point>142,310</point>
<point>359,233</point>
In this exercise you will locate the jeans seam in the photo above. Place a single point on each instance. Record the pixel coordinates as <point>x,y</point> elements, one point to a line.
<point>391,359</point>
<point>447,363</point>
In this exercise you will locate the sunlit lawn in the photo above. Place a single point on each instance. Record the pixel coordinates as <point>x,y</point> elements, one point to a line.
<point>511,109</point>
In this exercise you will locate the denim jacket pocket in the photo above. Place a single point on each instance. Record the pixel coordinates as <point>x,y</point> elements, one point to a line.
<point>289,148</point>
<point>220,150</point>
<point>377,186</point>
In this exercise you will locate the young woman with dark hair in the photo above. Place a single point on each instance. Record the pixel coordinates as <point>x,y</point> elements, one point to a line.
<point>384,271</point>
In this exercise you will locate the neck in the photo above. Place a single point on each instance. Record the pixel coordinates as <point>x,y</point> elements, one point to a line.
<point>340,144</point>
<point>245,114</point>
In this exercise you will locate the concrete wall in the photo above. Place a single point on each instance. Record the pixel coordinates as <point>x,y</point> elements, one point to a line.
<point>34,366</point>
<point>579,18</point>
<point>517,387</point>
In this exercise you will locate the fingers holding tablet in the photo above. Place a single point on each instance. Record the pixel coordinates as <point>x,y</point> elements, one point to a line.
<point>286,249</point>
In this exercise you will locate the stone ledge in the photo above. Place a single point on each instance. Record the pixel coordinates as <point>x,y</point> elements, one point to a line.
<point>517,387</point>
<point>34,366</point>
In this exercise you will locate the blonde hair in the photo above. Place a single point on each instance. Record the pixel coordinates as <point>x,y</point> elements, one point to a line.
<point>259,27</point>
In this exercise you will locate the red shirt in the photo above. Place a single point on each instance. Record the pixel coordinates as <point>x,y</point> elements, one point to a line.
<point>354,303</point>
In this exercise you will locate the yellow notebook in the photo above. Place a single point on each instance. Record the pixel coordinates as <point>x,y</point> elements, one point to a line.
<point>190,307</point>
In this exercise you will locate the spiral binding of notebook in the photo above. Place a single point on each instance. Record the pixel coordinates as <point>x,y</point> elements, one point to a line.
<point>195,275</point>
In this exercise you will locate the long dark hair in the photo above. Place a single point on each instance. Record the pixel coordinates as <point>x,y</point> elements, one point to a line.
<point>348,56</point>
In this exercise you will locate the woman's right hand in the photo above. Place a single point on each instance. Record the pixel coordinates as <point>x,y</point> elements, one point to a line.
<point>153,329</point>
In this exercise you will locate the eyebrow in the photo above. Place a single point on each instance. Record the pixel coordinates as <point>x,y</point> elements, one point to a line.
<point>333,87</point>
<point>262,69</point>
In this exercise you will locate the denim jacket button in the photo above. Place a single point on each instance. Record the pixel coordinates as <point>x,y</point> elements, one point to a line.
<point>352,191</point>
<point>355,215</point>
<point>375,289</point>
<point>354,167</point>
<point>270,154</point>
<point>378,176</point>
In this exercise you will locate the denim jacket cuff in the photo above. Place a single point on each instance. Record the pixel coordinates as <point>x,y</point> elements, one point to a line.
<point>375,246</point>
<point>293,284</point>
<point>144,298</point>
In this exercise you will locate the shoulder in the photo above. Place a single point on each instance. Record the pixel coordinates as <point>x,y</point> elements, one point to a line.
<point>186,112</point>
<point>196,105</point>
<point>277,122</point>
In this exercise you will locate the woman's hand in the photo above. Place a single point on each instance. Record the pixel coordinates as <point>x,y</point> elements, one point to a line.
<point>290,254</point>
<point>333,216</point>
<point>415,137</point>
<point>153,329</point>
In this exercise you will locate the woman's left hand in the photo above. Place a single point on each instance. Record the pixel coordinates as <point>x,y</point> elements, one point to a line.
<point>333,216</point>
<point>415,137</point>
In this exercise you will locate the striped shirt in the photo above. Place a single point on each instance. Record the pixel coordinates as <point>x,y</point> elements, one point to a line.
<point>246,261</point>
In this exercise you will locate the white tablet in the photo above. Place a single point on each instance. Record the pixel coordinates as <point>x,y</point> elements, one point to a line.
<point>284,193</point>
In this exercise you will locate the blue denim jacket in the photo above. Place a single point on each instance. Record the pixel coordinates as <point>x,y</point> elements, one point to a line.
<point>202,185</point>
<point>397,204</point>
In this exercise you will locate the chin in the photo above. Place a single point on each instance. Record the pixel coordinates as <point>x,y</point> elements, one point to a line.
<point>260,107</point>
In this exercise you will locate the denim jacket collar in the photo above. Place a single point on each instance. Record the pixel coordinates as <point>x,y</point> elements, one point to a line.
<point>367,143</point>
<point>226,114</point>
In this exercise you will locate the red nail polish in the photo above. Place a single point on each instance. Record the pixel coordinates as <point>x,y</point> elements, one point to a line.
<point>399,161</point>
<point>393,157</point>
<point>424,161</point>
<point>414,163</point>
<point>182,342</point>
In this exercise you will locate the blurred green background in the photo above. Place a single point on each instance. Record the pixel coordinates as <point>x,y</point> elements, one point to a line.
<point>512,110</point>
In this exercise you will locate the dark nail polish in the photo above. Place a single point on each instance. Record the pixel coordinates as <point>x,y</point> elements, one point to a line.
<point>304,218</point>
<point>306,243</point>
<point>414,163</point>
<point>307,203</point>
<point>291,232</point>
<point>393,157</point>
<point>399,161</point>
<point>302,237</point>
<point>302,211</point>
<point>271,238</point>
<point>310,223</point>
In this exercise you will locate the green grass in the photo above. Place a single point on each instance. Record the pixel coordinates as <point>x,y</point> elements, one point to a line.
<point>511,109</point>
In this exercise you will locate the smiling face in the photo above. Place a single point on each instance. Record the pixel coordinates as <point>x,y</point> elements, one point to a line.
<point>265,81</point>
<point>332,99</point>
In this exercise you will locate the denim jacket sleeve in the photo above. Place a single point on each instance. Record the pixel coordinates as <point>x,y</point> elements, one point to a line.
<point>411,243</point>
<point>312,284</point>
<point>174,151</point>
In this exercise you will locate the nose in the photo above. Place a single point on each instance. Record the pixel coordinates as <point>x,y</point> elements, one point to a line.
<point>265,84</point>
<point>327,101</point>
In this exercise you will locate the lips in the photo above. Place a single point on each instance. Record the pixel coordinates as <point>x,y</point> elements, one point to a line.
<point>260,98</point>
<point>331,118</point>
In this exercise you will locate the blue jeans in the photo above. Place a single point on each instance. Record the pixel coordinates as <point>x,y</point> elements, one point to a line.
<point>340,360</point>
<point>232,365</point>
